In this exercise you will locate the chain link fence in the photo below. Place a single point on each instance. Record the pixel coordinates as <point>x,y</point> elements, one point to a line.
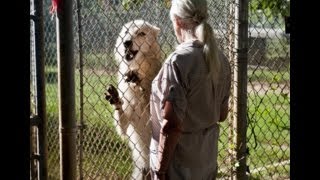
<point>52,102</point>
<point>101,153</point>
<point>268,91</point>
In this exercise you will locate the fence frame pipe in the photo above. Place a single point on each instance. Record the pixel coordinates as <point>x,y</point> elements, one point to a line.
<point>66,88</point>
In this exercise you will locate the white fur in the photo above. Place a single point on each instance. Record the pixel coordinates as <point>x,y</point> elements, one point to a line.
<point>132,120</point>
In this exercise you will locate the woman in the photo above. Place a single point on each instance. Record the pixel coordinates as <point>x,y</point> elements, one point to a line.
<point>189,97</point>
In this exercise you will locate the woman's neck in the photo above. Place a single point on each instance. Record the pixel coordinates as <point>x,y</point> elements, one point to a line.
<point>186,36</point>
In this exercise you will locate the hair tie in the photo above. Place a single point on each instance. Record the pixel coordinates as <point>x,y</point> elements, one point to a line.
<point>198,18</point>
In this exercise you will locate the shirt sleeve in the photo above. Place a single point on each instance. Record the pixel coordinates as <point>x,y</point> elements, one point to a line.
<point>173,85</point>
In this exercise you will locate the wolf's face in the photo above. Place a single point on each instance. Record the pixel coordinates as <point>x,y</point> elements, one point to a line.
<point>137,38</point>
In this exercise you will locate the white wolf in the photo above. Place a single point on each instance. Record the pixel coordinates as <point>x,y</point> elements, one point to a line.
<point>138,53</point>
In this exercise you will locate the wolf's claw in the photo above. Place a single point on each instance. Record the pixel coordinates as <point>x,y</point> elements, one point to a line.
<point>112,95</point>
<point>132,76</point>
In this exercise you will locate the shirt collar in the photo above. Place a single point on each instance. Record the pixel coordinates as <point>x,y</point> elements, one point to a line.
<point>190,43</point>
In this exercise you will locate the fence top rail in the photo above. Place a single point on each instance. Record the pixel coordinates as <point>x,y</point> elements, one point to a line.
<point>258,32</point>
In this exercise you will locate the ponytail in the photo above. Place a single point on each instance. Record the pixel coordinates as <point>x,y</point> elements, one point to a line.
<point>205,34</point>
<point>194,14</point>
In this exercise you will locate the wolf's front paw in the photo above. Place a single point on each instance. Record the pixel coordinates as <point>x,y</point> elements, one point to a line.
<point>112,95</point>
<point>132,76</point>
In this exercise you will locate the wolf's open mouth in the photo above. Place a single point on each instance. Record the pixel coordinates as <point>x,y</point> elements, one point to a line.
<point>130,54</point>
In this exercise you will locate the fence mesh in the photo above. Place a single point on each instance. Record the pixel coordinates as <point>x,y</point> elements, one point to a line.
<point>52,103</point>
<point>102,154</point>
<point>268,91</point>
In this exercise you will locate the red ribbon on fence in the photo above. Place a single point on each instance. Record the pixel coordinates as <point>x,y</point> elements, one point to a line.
<point>56,6</point>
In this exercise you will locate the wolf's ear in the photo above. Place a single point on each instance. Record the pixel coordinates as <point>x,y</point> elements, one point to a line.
<point>156,29</point>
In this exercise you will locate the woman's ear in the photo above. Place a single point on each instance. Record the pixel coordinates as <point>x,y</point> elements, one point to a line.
<point>178,22</point>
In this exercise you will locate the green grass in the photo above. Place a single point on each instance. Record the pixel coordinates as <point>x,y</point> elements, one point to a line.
<point>269,76</point>
<point>269,129</point>
<point>101,145</point>
<point>268,136</point>
<point>105,154</point>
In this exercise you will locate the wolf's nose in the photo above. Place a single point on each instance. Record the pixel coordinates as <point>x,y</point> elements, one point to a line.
<point>127,43</point>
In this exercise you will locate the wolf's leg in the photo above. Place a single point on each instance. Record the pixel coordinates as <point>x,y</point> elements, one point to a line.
<point>140,154</point>
<point>141,167</point>
<point>112,96</point>
<point>122,123</point>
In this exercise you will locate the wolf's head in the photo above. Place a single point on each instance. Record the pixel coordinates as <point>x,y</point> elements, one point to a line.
<point>138,39</point>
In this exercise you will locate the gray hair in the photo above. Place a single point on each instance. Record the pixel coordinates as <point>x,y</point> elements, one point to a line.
<point>194,14</point>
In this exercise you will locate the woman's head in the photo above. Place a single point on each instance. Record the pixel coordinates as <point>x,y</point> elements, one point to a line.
<point>191,16</point>
<point>190,10</point>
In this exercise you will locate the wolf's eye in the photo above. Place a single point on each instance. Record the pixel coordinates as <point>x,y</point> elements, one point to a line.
<point>141,34</point>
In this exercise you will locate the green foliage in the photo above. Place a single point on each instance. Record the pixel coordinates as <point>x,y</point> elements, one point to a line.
<point>278,48</point>
<point>167,3</point>
<point>237,164</point>
<point>271,7</point>
<point>127,4</point>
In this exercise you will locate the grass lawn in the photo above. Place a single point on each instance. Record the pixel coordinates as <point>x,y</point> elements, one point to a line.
<point>105,154</point>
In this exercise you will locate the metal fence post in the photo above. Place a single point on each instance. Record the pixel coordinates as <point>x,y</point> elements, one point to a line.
<point>231,131</point>
<point>240,90</point>
<point>81,81</point>
<point>66,87</point>
<point>40,120</point>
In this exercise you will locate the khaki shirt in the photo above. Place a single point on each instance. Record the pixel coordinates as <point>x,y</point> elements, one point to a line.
<point>184,81</point>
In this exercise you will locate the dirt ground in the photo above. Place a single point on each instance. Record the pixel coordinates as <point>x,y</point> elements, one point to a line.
<point>263,88</point>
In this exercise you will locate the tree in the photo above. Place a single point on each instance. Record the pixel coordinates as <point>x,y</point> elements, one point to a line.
<point>127,4</point>
<point>271,8</point>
